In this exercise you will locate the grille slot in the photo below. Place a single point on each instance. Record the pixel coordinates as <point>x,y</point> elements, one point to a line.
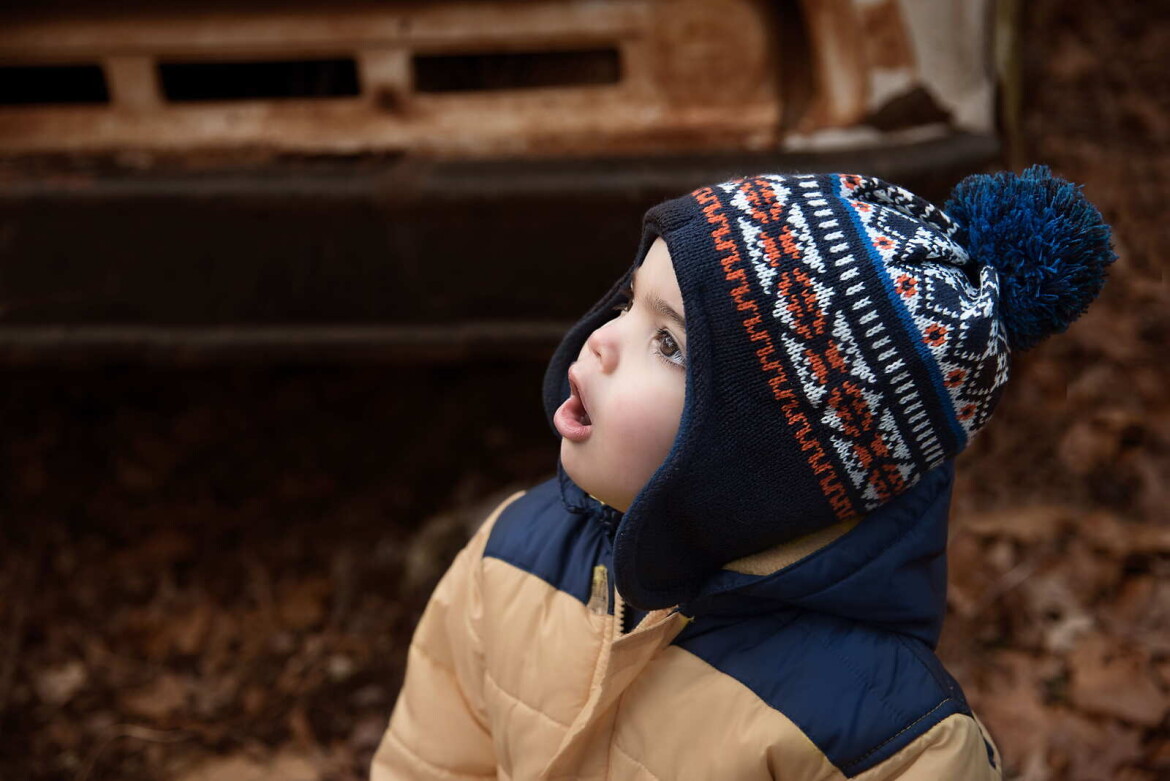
<point>515,70</point>
<point>210,81</point>
<point>31,85</point>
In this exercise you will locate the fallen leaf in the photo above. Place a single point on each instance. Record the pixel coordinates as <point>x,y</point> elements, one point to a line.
<point>1011,706</point>
<point>367,733</point>
<point>1024,524</point>
<point>1115,680</point>
<point>1054,616</point>
<point>1141,613</point>
<point>302,603</point>
<point>285,765</point>
<point>1159,755</point>
<point>189,629</point>
<point>1109,532</point>
<point>216,693</point>
<point>165,695</point>
<point>1088,749</point>
<point>58,685</point>
<point>300,728</point>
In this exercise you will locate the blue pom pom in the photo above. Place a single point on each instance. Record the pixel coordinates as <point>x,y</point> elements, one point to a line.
<point>1048,243</point>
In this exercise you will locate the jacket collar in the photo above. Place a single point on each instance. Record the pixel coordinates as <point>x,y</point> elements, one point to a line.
<point>887,569</point>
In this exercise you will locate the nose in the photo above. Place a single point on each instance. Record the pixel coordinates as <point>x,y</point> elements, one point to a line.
<point>603,343</point>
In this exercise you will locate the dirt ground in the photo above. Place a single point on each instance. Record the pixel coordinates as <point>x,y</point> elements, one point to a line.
<point>212,575</point>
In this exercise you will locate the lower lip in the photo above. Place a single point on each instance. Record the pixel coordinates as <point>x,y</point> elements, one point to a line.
<point>567,424</point>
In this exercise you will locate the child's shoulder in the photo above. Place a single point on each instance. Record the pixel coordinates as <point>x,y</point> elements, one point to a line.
<point>539,534</point>
<point>859,693</point>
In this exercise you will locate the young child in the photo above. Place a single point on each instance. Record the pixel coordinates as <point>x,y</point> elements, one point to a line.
<point>740,572</point>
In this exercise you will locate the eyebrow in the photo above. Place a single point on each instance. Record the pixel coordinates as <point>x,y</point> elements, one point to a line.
<point>662,308</point>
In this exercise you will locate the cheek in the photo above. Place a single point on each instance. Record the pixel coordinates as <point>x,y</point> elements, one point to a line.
<point>647,428</point>
<point>654,426</point>
<point>635,423</point>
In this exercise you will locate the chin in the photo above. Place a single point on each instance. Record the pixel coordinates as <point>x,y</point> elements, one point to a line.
<point>599,490</point>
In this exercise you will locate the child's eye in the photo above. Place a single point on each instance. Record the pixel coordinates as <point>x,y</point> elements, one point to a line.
<point>668,349</point>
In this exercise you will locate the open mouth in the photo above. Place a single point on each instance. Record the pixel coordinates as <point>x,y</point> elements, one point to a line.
<point>582,414</point>
<point>571,419</point>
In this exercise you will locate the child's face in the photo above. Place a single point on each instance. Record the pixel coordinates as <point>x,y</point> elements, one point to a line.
<point>628,385</point>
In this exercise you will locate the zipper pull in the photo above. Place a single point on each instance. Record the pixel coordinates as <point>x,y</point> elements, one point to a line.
<point>599,594</point>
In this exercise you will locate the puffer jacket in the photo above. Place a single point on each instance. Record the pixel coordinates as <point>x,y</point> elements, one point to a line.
<point>810,661</point>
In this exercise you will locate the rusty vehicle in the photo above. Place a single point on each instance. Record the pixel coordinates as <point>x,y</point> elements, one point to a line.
<point>438,180</point>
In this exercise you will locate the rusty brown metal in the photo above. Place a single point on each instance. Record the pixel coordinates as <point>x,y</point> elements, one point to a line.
<point>838,64</point>
<point>886,39</point>
<point>684,65</point>
<point>421,214</point>
<point>695,75</point>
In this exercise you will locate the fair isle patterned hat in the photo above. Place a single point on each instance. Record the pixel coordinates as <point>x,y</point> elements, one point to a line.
<point>844,338</point>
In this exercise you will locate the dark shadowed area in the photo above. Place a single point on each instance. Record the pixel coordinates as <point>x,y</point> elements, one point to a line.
<point>212,574</point>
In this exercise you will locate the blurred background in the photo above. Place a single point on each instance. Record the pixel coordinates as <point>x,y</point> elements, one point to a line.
<point>277,286</point>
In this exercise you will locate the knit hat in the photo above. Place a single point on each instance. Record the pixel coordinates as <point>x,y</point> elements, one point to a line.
<point>844,337</point>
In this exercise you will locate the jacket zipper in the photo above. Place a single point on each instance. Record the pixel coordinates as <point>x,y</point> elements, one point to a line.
<point>599,600</point>
<point>599,591</point>
<point>619,614</point>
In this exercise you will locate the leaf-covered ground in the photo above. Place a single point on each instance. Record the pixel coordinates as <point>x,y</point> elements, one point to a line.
<point>212,575</point>
<point>1059,623</point>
